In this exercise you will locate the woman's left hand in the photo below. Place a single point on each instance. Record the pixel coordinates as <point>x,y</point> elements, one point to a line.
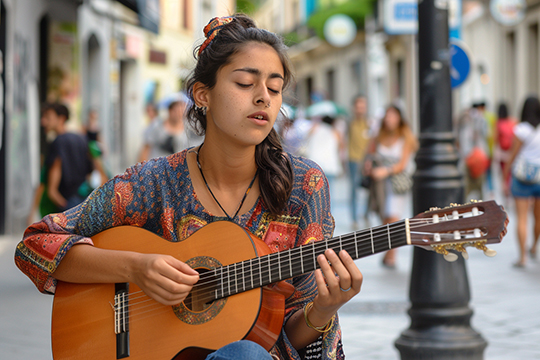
<point>338,281</point>
<point>380,173</point>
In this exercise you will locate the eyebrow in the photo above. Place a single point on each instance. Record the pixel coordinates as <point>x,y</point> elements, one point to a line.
<point>258,72</point>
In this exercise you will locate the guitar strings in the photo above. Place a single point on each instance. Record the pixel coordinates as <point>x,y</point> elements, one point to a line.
<point>345,243</point>
<point>345,239</point>
<point>318,246</point>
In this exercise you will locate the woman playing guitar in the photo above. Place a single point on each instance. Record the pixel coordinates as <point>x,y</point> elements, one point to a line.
<point>240,174</point>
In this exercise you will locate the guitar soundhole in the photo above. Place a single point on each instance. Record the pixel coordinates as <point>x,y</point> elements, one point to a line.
<point>197,300</point>
<point>199,307</point>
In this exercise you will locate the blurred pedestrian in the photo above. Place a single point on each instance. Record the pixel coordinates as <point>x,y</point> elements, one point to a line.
<point>68,162</point>
<point>472,135</point>
<point>388,163</point>
<point>524,163</point>
<point>503,137</point>
<point>358,140</point>
<point>165,137</point>
<point>491,124</point>
<point>324,144</point>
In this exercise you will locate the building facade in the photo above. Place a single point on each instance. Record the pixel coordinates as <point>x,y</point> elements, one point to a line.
<point>92,55</point>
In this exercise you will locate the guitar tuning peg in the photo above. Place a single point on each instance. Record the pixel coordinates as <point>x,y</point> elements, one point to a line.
<point>462,250</point>
<point>434,208</point>
<point>450,257</point>
<point>490,252</point>
<point>480,245</point>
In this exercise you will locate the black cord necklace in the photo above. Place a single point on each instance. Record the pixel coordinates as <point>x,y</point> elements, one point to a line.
<point>211,193</point>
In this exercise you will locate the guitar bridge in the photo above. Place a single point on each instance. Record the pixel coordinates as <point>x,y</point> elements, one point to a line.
<point>121,319</point>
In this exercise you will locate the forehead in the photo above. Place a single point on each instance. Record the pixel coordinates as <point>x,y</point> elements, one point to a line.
<point>258,56</point>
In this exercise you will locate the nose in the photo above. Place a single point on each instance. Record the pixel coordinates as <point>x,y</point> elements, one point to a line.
<point>262,97</point>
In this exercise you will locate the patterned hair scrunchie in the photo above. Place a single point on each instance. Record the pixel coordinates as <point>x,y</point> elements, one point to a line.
<point>212,29</point>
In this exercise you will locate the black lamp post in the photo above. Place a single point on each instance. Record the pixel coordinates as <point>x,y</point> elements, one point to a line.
<point>439,290</point>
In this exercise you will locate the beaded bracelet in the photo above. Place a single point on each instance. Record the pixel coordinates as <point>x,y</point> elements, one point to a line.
<point>321,329</point>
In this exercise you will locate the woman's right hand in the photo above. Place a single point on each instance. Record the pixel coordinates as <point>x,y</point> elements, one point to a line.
<point>164,278</point>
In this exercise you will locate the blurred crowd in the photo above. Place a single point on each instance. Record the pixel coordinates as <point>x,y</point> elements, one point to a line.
<point>376,154</point>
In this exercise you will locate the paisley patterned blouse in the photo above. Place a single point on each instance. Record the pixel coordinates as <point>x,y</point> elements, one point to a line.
<point>158,195</point>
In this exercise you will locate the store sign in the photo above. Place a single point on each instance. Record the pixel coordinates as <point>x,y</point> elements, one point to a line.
<point>508,12</point>
<point>339,30</point>
<point>401,16</point>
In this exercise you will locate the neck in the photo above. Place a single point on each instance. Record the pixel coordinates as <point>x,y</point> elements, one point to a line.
<point>227,167</point>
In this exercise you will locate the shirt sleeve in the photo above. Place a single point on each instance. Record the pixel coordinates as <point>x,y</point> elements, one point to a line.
<point>45,243</point>
<point>523,130</point>
<point>316,223</point>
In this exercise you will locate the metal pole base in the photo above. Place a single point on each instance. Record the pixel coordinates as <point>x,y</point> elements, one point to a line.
<point>442,343</point>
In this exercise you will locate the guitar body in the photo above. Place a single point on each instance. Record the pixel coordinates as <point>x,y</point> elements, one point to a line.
<point>83,320</point>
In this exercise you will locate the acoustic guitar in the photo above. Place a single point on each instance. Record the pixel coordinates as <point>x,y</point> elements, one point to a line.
<point>241,293</point>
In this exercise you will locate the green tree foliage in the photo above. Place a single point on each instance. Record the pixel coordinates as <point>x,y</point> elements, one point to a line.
<point>355,9</point>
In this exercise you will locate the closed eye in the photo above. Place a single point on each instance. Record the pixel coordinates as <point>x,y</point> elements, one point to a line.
<point>245,86</point>
<point>277,92</point>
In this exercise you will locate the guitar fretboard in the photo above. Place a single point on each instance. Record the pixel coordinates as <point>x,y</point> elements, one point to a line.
<point>257,272</point>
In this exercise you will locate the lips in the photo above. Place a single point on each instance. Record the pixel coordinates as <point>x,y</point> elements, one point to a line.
<point>259,115</point>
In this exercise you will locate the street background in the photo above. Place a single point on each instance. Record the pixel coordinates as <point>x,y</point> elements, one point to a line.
<point>505,301</point>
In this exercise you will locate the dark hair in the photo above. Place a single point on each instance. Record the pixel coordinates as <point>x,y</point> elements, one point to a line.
<point>531,111</point>
<point>59,109</point>
<point>174,103</point>
<point>275,170</point>
<point>357,97</point>
<point>404,128</point>
<point>328,120</point>
<point>502,113</point>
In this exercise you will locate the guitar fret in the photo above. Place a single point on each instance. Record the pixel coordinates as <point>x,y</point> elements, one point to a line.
<point>243,278</point>
<point>222,291</point>
<point>388,230</point>
<point>235,278</point>
<point>372,245</point>
<point>356,245</point>
<point>251,270</point>
<point>260,272</point>
<point>290,263</point>
<point>314,258</point>
<point>229,279</point>
<point>269,270</point>
<point>340,244</point>
<point>279,266</point>
<point>302,259</point>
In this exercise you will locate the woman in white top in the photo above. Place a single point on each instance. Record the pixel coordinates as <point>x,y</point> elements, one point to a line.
<point>389,153</point>
<point>526,147</point>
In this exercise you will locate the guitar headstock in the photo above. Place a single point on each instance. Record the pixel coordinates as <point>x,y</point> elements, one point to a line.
<point>459,226</point>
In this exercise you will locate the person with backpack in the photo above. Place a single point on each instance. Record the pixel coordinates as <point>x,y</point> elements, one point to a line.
<point>524,166</point>
<point>504,133</point>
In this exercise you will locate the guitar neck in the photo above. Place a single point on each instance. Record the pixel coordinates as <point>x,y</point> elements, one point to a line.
<point>257,272</point>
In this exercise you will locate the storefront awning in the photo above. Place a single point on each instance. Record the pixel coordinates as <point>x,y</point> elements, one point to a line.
<point>148,12</point>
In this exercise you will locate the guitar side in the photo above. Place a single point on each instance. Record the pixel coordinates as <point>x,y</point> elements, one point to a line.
<point>83,321</point>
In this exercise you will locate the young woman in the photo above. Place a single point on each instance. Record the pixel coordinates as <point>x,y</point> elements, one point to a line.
<point>504,134</point>
<point>239,173</point>
<point>526,147</point>
<point>389,153</point>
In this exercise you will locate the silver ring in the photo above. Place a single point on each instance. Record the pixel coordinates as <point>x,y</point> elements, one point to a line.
<point>345,290</point>
<point>268,105</point>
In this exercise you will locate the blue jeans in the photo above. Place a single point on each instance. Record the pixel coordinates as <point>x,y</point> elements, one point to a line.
<point>240,350</point>
<point>523,190</point>
<point>355,178</point>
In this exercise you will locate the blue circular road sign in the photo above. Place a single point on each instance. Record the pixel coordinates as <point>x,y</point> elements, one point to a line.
<point>460,64</point>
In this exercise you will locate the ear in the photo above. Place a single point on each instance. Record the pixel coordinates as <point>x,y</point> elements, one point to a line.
<point>200,94</point>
